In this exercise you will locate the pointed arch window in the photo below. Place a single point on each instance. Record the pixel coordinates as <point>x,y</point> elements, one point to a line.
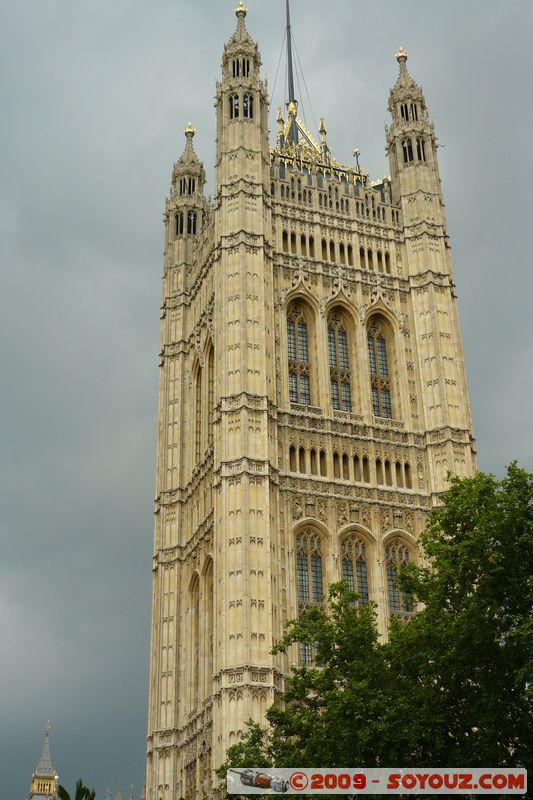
<point>339,363</point>
<point>210,394</point>
<point>179,223</point>
<point>194,628</point>
<point>407,150</point>
<point>191,223</point>
<point>396,557</point>
<point>198,416</point>
<point>248,106</point>
<point>421,149</point>
<point>234,106</point>
<point>298,351</point>
<point>380,382</point>
<point>309,570</point>
<point>354,567</point>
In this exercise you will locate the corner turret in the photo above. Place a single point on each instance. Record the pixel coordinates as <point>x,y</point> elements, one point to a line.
<point>412,150</point>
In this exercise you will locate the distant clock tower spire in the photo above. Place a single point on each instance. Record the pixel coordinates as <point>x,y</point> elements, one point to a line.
<point>44,779</point>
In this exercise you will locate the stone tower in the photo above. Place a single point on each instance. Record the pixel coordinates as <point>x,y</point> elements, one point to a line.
<point>312,401</point>
<point>44,779</point>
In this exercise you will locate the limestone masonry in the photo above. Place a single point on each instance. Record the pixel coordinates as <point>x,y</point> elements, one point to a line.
<point>312,401</point>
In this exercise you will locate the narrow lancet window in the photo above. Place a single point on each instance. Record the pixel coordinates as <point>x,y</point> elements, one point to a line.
<point>298,352</point>
<point>380,382</point>
<point>354,569</point>
<point>339,364</point>
<point>397,556</point>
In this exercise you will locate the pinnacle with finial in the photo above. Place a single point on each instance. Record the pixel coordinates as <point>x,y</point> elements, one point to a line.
<point>401,56</point>
<point>189,130</point>
<point>241,9</point>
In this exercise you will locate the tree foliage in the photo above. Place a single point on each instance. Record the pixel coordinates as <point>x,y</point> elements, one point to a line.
<point>451,687</point>
<point>82,792</point>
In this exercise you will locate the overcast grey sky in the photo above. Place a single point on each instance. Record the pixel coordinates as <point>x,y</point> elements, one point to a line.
<point>94,97</point>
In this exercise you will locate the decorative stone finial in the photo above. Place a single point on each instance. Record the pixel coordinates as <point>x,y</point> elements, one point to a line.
<point>189,131</point>
<point>401,56</point>
<point>292,109</point>
<point>241,10</point>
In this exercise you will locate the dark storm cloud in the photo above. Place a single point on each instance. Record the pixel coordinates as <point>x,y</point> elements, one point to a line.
<point>94,99</point>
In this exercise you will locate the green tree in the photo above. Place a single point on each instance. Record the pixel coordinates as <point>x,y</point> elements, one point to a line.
<point>82,792</point>
<point>453,686</point>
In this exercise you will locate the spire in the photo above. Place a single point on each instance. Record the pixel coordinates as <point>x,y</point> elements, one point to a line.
<point>44,768</point>
<point>292,98</point>
<point>292,105</point>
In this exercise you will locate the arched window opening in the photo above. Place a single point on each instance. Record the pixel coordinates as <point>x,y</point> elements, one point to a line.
<point>309,575</point>
<point>324,250</point>
<point>194,628</point>
<point>236,67</point>
<point>366,469</point>
<point>336,466</point>
<point>246,67</point>
<point>293,244</point>
<point>298,351</point>
<point>421,149</point>
<point>191,223</point>
<point>311,247</point>
<point>339,363</point>
<point>234,106</point>
<point>323,464</point>
<point>388,473</point>
<point>380,261</point>
<point>248,106</point>
<point>399,475</point>
<point>209,601</point>
<point>370,261</point>
<point>362,260</point>
<point>396,557</point>
<point>407,150</point>
<point>314,464</point>
<point>414,111</point>
<point>342,254</point>
<point>272,189</point>
<point>210,395</point>
<point>301,460</point>
<point>387,263</point>
<point>379,472</point>
<point>356,468</point>
<point>285,235</point>
<point>332,251</point>
<point>404,111</point>
<point>354,569</point>
<point>380,382</point>
<point>191,185</point>
<point>179,223</point>
<point>407,473</point>
<point>350,255</point>
<point>309,580</point>
<point>320,200</point>
<point>292,458</point>
<point>345,467</point>
<point>198,415</point>
<point>303,245</point>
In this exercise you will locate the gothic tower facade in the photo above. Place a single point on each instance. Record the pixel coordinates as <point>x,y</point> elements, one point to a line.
<point>312,401</point>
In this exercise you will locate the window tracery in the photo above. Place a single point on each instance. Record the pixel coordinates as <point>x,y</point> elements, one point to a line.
<point>354,567</point>
<point>380,381</point>
<point>396,557</point>
<point>298,352</point>
<point>339,363</point>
